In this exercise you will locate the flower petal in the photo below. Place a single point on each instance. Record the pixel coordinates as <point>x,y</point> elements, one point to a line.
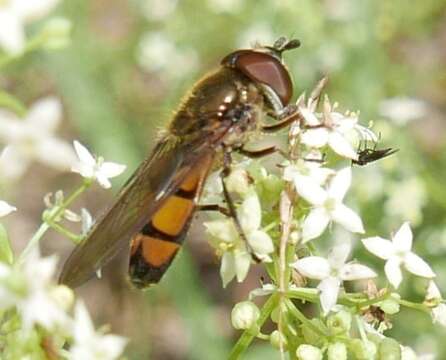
<point>227,268</point>
<point>309,116</point>
<point>347,218</point>
<point>250,213</point>
<point>310,190</point>
<point>380,247</point>
<point>313,267</point>
<point>314,224</point>
<point>45,114</point>
<point>111,169</point>
<point>103,181</point>
<point>338,255</point>
<point>12,35</point>
<point>354,271</point>
<point>260,242</point>
<point>417,266</point>
<point>83,154</point>
<point>5,208</point>
<point>340,183</point>
<point>28,10</point>
<point>55,153</point>
<point>439,314</point>
<point>329,288</point>
<point>315,137</point>
<point>242,261</point>
<point>433,292</point>
<point>222,229</point>
<point>341,145</point>
<point>403,238</point>
<point>393,271</point>
<point>12,163</point>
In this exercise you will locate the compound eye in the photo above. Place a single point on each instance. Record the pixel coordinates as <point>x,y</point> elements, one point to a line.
<point>263,68</point>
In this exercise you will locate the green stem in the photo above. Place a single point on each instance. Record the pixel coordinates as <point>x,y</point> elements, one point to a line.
<point>304,294</point>
<point>55,212</point>
<point>360,326</point>
<point>415,306</point>
<point>303,319</point>
<point>60,229</point>
<point>246,338</point>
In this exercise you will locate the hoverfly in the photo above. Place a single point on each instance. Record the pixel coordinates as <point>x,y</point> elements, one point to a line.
<point>155,207</point>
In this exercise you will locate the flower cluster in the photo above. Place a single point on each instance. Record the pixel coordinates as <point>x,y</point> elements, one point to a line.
<point>34,309</point>
<point>279,227</point>
<point>32,305</point>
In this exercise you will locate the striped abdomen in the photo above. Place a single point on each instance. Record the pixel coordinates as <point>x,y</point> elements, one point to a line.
<point>155,246</point>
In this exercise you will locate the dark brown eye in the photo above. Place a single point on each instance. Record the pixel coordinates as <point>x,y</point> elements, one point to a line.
<point>263,68</point>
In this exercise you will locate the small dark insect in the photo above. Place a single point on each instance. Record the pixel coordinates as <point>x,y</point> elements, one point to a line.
<point>368,155</point>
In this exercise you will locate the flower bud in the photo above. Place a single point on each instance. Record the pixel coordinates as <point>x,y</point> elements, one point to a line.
<point>277,340</point>
<point>244,315</point>
<point>310,336</point>
<point>238,181</point>
<point>337,351</point>
<point>340,322</point>
<point>390,306</point>
<point>389,349</point>
<point>63,296</point>
<point>363,349</point>
<point>308,352</point>
<point>57,33</point>
<point>275,315</point>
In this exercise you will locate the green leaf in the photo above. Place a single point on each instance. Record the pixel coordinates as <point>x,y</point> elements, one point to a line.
<point>12,103</point>
<point>6,254</point>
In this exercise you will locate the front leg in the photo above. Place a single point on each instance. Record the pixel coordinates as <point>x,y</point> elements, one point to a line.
<point>256,154</point>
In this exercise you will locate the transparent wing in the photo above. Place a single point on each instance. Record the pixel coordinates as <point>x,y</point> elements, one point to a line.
<point>144,193</point>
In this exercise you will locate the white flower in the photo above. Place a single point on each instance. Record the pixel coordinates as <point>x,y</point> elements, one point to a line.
<point>332,272</point>
<point>14,14</point>
<point>403,109</point>
<point>30,289</point>
<point>398,253</point>
<point>159,10</point>
<point>238,181</point>
<point>224,237</point>
<point>433,296</point>
<point>32,138</point>
<point>327,205</point>
<point>97,169</point>
<point>310,170</point>
<point>5,208</point>
<point>158,53</point>
<point>90,345</point>
<point>225,6</point>
<point>259,32</point>
<point>331,130</point>
<point>308,352</point>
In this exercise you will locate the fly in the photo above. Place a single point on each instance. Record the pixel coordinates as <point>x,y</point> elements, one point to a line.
<point>154,210</point>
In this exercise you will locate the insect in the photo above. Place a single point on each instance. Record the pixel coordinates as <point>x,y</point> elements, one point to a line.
<point>368,155</point>
<point>155,207</point>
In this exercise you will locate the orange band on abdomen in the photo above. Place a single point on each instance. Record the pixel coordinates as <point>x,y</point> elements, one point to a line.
<point>173,215</point>
<point>157,252</point>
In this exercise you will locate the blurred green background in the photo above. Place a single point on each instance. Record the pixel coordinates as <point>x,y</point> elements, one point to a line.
<point>128,66</point>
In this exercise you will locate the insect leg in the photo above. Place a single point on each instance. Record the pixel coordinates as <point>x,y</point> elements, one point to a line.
<point>255,154</point>
<point>231,207</point>
<point>288,120</point>
<point>214,207</point>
